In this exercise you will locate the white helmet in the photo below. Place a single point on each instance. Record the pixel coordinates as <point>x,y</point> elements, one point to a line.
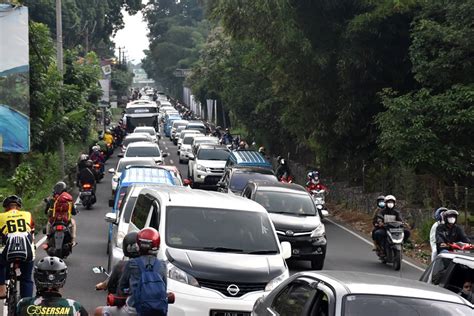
<point>390,198</point>
<point>84,157</point>
<point>96,148</point>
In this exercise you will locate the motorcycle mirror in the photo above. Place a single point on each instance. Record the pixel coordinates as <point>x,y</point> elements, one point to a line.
<point>99,270</point>
<point>111,170</point>
<point>325,213</point>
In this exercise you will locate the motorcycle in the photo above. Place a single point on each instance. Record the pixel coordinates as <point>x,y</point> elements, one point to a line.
<point>461,247</point>
<point>320,202</point>
<point>98,171</point>
<point>87,196</point>
<point>59,240</point>
<point>393,244</point>
<point>286,179</point>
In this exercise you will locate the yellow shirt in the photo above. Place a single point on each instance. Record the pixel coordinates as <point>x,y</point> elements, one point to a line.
<point>108,138</point>
<point>16,221</point>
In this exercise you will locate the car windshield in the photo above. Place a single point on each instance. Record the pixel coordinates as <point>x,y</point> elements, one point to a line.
<point>123,163</point>
<point>150,131</point>
<point>141,110</point>
<point>128,140</point>
<point>143,151</point>
<point>240,179</point>
<point>376,305</point>
<point>188,140</point>
<point>201,128</point>
<point>213,141</point>
<point>180,124</point>
<point>213,154</point>
<point>219,230</point>
<point>285,202</point>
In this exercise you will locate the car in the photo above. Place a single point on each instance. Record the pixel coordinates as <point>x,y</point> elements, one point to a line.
<point>197,125</point>
<point>235,179</point>
<point>174,127</point>
<point>145,149</point>
<point>183,134</point>
<point>186,148</point>
<point>294,216</point>
<point>122,206</point>
<point>204,140</point>
<point>450,270</point>
<point>339,293</point>
<point>147,130</point>
<point>141,113</point>
<point>133,138</point>
<point>169,120</point>
<point>206,164</point>
<point>123,163</point>
<point>247,158</point>
<point>178,179</point>
<point>221,251</point>
<point>176,134</point>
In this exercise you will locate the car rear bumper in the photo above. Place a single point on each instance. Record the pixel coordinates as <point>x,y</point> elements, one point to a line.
<point>306,247</point>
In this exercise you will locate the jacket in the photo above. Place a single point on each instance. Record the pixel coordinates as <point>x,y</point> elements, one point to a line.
<point>447,235</point>
<point>393,214</point>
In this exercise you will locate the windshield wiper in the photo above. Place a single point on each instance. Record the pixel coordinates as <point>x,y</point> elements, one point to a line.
<point>222,249</point>
<point>261,252</point>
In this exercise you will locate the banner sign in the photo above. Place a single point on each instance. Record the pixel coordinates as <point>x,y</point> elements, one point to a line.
<point>14,80</point>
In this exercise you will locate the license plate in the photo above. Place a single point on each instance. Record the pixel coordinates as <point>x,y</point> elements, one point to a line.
<point>86,193</point>
<point>228,313</point>
<point>396,230</point>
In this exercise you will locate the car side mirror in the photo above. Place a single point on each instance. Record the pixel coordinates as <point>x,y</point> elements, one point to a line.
<point>111,203</point>
<point>285,250</point>
<point>111,170</point>
<point>191,156</point>
<point>324,213</point>
<point>111,218</point>
<point>120,155</point>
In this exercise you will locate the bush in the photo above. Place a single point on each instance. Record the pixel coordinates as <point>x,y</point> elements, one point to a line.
<point>25,179</point>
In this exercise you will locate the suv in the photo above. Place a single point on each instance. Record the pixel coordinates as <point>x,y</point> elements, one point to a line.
<point>209,241</point>
<point>247,158</point>
<point>450,270</point>
<point>206,165</point>
<point>183,134</point>
<point>234,179</point>
<point>295,217</point>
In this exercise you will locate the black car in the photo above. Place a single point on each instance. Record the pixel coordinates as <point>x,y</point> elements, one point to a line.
<point>235,178</point>
<point>294,216</point>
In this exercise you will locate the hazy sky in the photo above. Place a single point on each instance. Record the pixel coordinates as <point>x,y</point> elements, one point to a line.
<point>133,36</point>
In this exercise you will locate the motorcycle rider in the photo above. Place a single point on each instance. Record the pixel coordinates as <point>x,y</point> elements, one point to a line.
<point>313,182</point>
<point>86,175</point>
<point>439,219</point>
<point>98,158</point>
<point>50,274</point>
<point>14,220</point>
<point>217,132</point>
<point>60,190</point>
<point>242,145</point>
<point>380,206</point>
<point>449,232</point>
<point>227,138</point>
<point>148,240</point>
<point>115,302</point>
<point>282,168</point>
<point>387,214</point>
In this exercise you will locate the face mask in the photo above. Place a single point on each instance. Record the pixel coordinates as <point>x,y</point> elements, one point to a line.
<point>283,161</point>
<point>451,220</point>
<point>381,204</point>
<point>390,205</point>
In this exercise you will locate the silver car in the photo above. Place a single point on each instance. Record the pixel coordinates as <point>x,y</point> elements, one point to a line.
<point>338,293</point>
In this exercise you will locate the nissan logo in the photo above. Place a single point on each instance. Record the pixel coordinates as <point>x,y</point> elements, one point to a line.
<point>233,289</point>
<point>289,233</point>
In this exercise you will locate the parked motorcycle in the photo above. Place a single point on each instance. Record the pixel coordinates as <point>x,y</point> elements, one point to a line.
<point>393,244</point>
<point>59,240</point>
<point>87,196</point>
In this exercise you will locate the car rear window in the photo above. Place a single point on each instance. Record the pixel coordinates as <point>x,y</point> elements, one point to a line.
<point>239,180</point>
<point>143,152</point>
<point>128,141</point>
<point>188,140</point>
<point>285,202</point>
<point>123,163</point>
<point>213,154</point>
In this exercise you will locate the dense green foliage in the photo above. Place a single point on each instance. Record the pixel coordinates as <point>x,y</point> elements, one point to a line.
<point>341,83</point>
<point>121,79</point>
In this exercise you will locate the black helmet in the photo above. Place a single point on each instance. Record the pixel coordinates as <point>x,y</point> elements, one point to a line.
<point>12,199</point>
<point>50,273</point>
<point>130,246</point>
<point>380,198</point>
<point>59,187</point>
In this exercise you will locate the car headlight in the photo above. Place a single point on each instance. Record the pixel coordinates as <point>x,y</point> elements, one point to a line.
<point>201,168</point>
<point>276,281</point>
<point>320,231</point>
<point>175,273</point>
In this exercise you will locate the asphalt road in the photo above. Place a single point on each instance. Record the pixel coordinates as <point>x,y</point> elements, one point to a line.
<point>345,251</point>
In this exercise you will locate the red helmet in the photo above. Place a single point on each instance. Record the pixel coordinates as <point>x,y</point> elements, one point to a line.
<point>148,239</point>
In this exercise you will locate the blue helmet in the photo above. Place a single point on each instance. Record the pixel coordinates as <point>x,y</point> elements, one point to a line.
<point>438,213</point>
<point>313,175</point>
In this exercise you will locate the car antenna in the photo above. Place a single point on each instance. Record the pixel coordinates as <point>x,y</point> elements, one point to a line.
<point>169,197</point>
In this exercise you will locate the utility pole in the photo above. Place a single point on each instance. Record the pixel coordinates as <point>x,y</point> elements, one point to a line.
<point>59,56</point>
<point>120,55</point>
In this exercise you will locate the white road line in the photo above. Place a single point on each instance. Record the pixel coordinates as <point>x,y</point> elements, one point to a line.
<point>171,161</point>
<point>41,241</point>
<point>370,243</point>
<point>166,148</point>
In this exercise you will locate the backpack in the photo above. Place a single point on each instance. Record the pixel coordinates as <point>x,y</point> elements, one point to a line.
<point>62,208</point>
<point>149,293</point>
<point>18,247</point>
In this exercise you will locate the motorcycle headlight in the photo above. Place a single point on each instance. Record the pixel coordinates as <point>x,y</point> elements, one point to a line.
<point>179,275</point>
<point>319,231</point>
<point>201,168</point>
<point>276,281</point>
<point>319,206</point>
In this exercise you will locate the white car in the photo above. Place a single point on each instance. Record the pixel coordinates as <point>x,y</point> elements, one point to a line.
<point>222,252</point>
<point>206,165</point>
<point>183,134</point>
<point>133,138</point>
<point>174,127</point>
<point>186,148</point>
<point>200,140</point>
<point>145,149</point>
<point>123,163</point>
<point>147,130</point>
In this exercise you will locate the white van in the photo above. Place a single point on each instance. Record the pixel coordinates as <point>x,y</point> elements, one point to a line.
<point>222,252</point>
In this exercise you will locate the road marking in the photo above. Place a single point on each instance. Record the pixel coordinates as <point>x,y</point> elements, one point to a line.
<point>171,161</point>
<point>41,241</point>
<point>166,148</point>
<point>371,244</point>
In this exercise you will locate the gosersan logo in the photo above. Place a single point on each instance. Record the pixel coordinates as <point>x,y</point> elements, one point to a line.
<point>35,310</point>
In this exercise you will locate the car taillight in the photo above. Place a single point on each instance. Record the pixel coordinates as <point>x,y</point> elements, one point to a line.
<point>60,228</point>
<point>97,165</point>
<point>86,186</point>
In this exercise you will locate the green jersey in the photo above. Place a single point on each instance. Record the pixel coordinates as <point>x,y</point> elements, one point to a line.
<point>49,304</point>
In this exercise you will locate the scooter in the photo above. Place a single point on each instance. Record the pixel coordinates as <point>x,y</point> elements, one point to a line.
<point>393,246</point>
<point>98,171</point>
<point>59,240</point>
<point>87,196</point>
<point>461,247</point>
<point>320,202</point>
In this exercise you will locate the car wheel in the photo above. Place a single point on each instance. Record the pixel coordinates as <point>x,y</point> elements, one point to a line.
<point>317,264</point>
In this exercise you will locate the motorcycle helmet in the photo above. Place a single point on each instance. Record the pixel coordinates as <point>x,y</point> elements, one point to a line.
<point>84,157</point>
<point>50,273</point>
<point>59,187</point>
<point>390,201</point>
<point>438,214</point>
<point>451,216</point>
<point>242,145</point>
<point>381,201</point>
<point>12,199</point>
<point>261,150</point>
<point>130,246</point>
<point>148,239</point>
<point>96,148</point>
